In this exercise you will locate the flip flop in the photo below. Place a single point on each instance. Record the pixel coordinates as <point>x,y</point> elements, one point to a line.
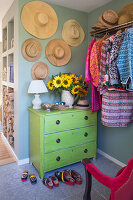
<point>33,178</point>
<point>48,182</point>
<point>55,181</point>
<point>76,176</point>
<point>24,176</point>
<point>65,177</point>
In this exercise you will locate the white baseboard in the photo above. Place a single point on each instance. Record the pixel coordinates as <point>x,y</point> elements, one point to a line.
<point>111,158</point>
<point>24,161</point>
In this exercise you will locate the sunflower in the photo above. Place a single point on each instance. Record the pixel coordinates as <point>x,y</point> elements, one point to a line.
<point>80,77</point>
<point>63,75</point>
<point>82,92</point>
<point>75,89</point>
<point>57,81</point>
<point>50,85</point>
<point>66,82</point>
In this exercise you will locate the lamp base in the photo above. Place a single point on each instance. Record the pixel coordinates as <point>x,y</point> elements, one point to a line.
<point>37,102</point>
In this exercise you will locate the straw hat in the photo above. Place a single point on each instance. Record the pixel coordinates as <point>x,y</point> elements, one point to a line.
<point>73,33</point>
<point>39,19</point>
<point>128,9</point>
<point>109,18</point>
<point>40,71</point>
<point>58,52</point>
<point>98,26</point>
<point>125,18</point>
<point>31,50</point>
<point>82,104</point>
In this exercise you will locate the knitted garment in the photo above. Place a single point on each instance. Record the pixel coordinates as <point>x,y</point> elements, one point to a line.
<point>125,59</point>
<point>117,108</point>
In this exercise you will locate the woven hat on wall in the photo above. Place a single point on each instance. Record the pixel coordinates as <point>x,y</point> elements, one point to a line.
<point>39,19</point>
<point>82,104</point>
<point>31,50</point>
<point>40,71</point>
<point>58,52</point>
<point>126,14</point>
<point>109,18</point>
<point>72,33</point>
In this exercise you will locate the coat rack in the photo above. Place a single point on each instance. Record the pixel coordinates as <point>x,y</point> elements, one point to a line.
<point>101,32</point>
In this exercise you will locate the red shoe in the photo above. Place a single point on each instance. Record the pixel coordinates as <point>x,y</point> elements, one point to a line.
<point>48,182</point>
<point>55,181</point>
<point>76,176</point>
<point>24,176</point>
<point>33,179</point>
<point>65,177</point>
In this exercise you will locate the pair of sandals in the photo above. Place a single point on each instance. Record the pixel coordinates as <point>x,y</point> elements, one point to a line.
<point>51,181</point>
<point>69,177</point>
<point>32,177</point>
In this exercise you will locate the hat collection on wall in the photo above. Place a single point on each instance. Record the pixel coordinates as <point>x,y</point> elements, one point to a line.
<point>40,20</point>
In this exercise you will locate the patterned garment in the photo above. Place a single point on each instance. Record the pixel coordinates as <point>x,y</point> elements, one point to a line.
<point>113,70</point>
<point>95,61</point>
<point>125,59</point>
<point>87,66</point>
<point>117,109</point>
<point>105,57</point>
<point>95,95</point>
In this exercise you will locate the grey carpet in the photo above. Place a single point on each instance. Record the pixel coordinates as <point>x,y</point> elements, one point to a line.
<point>11,187</point>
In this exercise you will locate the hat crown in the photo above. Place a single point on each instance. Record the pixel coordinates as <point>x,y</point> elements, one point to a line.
<point>39,72</point>
<point>31,50</point>
<point>110,16</point>
<point>41,18</point>
<point>59,52</point>
<point>74,32</point>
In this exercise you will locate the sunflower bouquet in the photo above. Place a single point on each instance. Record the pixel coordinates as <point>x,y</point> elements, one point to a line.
<point>70,82</point>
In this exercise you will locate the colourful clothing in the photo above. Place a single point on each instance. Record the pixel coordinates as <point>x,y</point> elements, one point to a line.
<point>95,95</point>
<point>95,61</point>
<point>125,59</point>
<point>113,70</point>
<point>87,66</point>
<point>117,108</point>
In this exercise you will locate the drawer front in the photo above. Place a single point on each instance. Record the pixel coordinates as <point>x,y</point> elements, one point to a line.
<point>69,138</point>
<point>66,121</point>
<point>68,156</point>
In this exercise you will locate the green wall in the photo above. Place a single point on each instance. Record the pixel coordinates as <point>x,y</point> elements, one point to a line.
<point>76,65</point>
<point>117,142</point>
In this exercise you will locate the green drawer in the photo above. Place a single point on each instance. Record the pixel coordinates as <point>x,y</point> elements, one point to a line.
<point>68,156</point>
<point>69,138</point>
<point>72,120</point>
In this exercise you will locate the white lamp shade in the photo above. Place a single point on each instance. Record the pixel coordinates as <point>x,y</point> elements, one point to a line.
<point>37,86</point>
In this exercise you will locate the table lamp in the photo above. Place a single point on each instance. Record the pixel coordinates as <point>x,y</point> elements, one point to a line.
<point>36,87</point>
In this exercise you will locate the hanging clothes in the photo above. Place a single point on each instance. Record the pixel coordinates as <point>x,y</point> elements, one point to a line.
<point>113,70</point>
<point>117,109</point>
<point>95,95</point>
<point>125,59</point>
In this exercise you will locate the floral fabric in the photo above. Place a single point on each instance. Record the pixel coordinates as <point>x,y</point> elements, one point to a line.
<point>95,61</point>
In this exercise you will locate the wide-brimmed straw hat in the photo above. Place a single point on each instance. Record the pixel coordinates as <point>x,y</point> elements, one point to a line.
<point>31,50</point>
<point>109,18</point>
<point>58,52</point>
<point>126,14</point>
<point>98,25</point>
<point>40,71</point>
<point>82,104</point>
<point>39,19</point>
<point>72,33</point>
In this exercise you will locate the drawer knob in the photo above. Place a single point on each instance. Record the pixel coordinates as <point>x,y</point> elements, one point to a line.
<point>58,140</point>
<point>58,158</point>
<point>86,117</point>
<point>58,122</point>
<point>86,134</point>
<point>85,151</point>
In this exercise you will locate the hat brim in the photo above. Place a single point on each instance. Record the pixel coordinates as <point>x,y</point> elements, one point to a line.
<point>28,14</point>
<point>66,33</point>
<point>46,69</point>
<point>103,23</point>
<point>50,55</point>
<point>23,50</point>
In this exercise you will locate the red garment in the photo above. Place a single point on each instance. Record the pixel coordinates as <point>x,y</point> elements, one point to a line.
<point>95,95</point>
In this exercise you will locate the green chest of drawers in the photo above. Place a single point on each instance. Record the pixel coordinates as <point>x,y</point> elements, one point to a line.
<point>60,138</point>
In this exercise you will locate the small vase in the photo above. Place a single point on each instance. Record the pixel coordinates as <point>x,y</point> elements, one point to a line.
<point>67,98</point>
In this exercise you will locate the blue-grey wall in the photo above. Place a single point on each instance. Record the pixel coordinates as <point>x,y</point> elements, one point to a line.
<point>116,142</point>
<point>76,65</point>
